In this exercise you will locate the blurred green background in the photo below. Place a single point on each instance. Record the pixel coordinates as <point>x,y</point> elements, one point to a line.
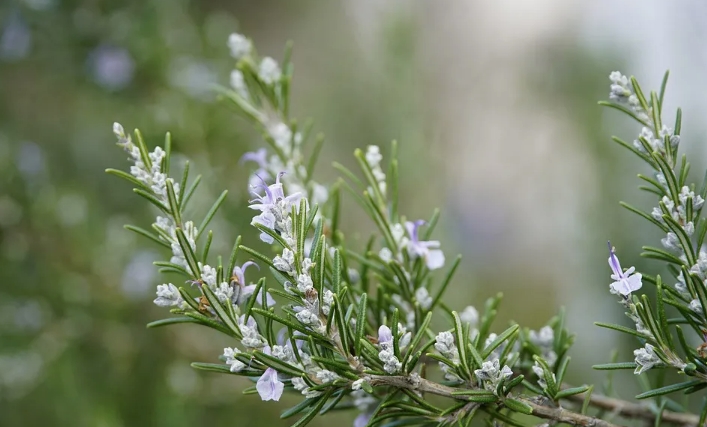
<point>494,105</point>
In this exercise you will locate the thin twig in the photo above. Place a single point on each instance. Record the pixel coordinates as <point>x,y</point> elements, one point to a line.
<point>635,410</point>
<point>415,382</point>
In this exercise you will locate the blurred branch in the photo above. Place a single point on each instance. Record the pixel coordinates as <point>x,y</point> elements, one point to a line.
<point>634,410</point>
<point>417,383</point>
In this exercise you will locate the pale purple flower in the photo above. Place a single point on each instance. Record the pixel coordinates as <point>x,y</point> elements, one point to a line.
<point>111,67</point>
<point>362,419</point>
<point>268,220</point>
<point>274,194</point>
<point>251,323</point>
<point>269,386</point>
<point>386,353</point>
<point>624,282</point>
<point>275,208</point>
<point>16,39</point>
<point>428,250</point>
<point>244,291</point>
<point>260,157</point>
<point>282,340</point>
<point>385,336</point>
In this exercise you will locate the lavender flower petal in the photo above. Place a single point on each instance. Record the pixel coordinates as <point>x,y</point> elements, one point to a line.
<point>269,386</point>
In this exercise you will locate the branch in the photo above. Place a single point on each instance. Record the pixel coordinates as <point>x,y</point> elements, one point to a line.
<point>565,416</point>
<point>417,383</point>
<point>635,410</point>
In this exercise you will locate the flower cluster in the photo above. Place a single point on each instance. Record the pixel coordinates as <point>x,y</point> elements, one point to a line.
<point>147,169</point>
<point>687,202</point>
<point>544,339</point>
<point>622,92</point>
<point>491,375</point>
<point>444,343</point>
<point>408,239</point>
<point>373,158</point>
<point>386,354</point>
<point>645,359</point>
<point>540,372</point>
<point>286,141</point>
<point>168,296</point>
<point>167,229</point>
<point>275,209</point>
<point>319,337</point>
<point>239,45</point>
<point>653,138</point>
<point>656,142</point>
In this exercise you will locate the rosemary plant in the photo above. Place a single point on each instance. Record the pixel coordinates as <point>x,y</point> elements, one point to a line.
<point>350,330</point>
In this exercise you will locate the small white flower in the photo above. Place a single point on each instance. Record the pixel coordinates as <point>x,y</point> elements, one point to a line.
<point>304,282</point>
<point>208,275</point>
<point>541,375</point>
<point>327,301</point>
<point>327,376</point>
<point>689,228</point>
<point>357,384</point>
<point>168,295</point>
<point>405,338</point>
<point>118,130</point>
<point>539,371</point>
<point>308,318</point>
<point>696,306</point>
<point>645,359</point>
<point>385,255</point>
<point>269,72</point>
<point>307,265</point>
<point>491,374</point>
<point>685,193</point>
<point>249,330</point>
<point>282,352</point>
<point>282,135</point>
<point>671,241</point>
<point>300,385</point>
<point>238,84</point>
<point>224,292</point>
<point>543,338</point>
<point>230,355</point>
<point>619,88</point>
<point>469,315</point>
<point>681,286</point>
<point>700,267</point>
<point>373,156</point>
<point>399,234</point>
<point>423,298</point>
<point>444,343</point>
<point>239,45</point>
<point>286,262</point>
<point>320,194</point>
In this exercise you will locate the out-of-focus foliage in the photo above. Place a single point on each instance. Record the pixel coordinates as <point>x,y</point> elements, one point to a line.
<point>74,349</point>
